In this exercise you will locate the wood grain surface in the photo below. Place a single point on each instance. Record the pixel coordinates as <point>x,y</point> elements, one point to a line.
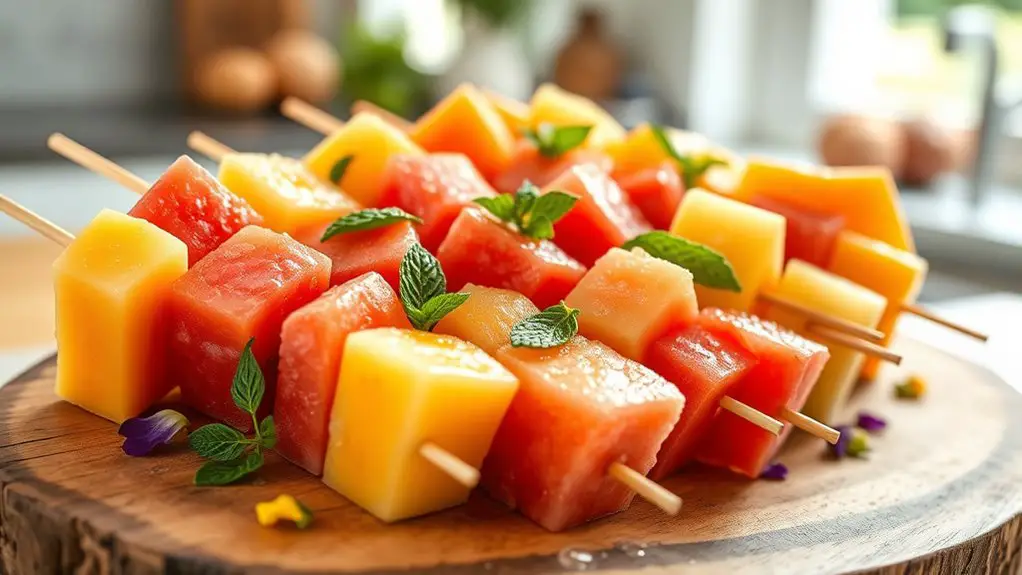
<point>941,493</point>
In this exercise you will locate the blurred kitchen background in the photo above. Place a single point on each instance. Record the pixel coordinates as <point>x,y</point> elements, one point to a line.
<point>930,88</point>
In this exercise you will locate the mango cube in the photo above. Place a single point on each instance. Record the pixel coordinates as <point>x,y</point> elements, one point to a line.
<point>895,274</point>
<point>629,299</point>
<point>289,196</point>
<point>370,141</point>
<point>515,114</point>
<point>826,293</point>
<point>399,389</point>
<point>486,318</point>
<point>111,285</point>
<point>552,105</point>
<point>752,239</point>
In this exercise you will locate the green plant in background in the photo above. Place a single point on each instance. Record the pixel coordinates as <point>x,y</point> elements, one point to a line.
<point>497,13</point>
<point>375,70</point>
<point>937,7</point>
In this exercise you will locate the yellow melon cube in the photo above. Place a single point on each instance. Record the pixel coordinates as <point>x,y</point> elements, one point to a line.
<point>486,318</point>
<point>515,114</point>
<point>399,389</point>
<point>288,196</point>
<point>752,239</point>
<point>629,299</point>
<point>370,141</point>
<point>110,286</point>
<point>824,292</point>
<point>895,274</point>
<point>552,105</point>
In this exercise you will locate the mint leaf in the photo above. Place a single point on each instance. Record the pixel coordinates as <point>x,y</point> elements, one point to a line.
<point>420,277</point>
<point>525,198</point>
<point>227,472</point>
<point>692,168</point>
<point>708,267</point>
<point>554,141</point>
<point>534,214</point>
<point>306,516</point>
<point>218,442</point>
<point>337,172</point>
<point>554,326</point>
<point>502,206</point>
<point>368,219</point>
<point>249,385</point>
<point>436,308</point>
<point>267,433</point>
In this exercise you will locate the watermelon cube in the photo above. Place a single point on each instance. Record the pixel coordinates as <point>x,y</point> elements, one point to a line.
<point>436,188</point>
<point>655,191</point>
<point>481,250</point>
<point>357,253</point>
<point>787,367</point>
<point>192,206</point>
<point>704,367</point>
<point>312,341</point>
<point>602,219</point>
<point>580,407</point>
<point>528,165</point>
<point>243,289</point>
<point>809,235</point>
<point>487,316</point>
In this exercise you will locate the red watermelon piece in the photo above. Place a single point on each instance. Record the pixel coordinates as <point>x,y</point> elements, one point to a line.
<point>436,188</point>
<point>580,407</point>
<point>528,165</point>
<point>483,251</point>
<point>357,253</point>
<point>312,343</point>
<point>809,235</point>
<point>602,219</point>
<point>243,289</point>
<point>191,205</point>
<point>704,367</point>
<point>787,367</point>
<point>655,191</point>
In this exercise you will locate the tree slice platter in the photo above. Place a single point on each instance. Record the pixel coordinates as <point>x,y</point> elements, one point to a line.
<point>941,493</point>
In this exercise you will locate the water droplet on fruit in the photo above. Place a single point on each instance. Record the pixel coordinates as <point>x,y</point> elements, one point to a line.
<point>576,559</point>
<point>632,549</point>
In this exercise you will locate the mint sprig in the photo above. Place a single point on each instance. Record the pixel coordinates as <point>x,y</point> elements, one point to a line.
<point>423,289</point>
<point>552,327</point>
<point>368,219</point>
<point>708,267</point>
<point>553,141</point>
<point>692,167</point>
<point>231,454</point>
<point>534,214</point>
<point>340,168</point>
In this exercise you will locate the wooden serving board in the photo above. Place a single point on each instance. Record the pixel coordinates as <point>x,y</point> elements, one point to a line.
<point>942,493</point>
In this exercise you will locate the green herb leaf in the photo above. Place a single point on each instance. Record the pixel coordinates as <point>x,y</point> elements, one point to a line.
<point>524,198</point>
<point>337,172</point>
<point>306,515</point>
<point>249,385</point>
<point>534,214</point>
<point>692,168</point>
<point>368,219</point>
<point>227,472</point>
<point>554,326</point>
<point>554,141</point>
<point>436,308</point>
<point>708,267</point>
<point>267,433</point>
<point>502,206</point>
<point>420,278</point>
<point>218,442</point>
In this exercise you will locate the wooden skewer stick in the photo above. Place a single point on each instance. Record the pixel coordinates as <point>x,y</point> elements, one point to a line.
<point>385,115</point>
<point>209,147</point>
<point>810,425</point>
<point>841,338</point>
<point>45,227</point>
<point>310,116</point>
<point>90,160</point>
<point>752,415</point>
<point>927,314</point>
<point>823,319</point>
<point>450,464</point>
<point>646,488</point>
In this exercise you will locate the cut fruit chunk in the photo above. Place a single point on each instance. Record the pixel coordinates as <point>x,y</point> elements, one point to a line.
<point>356,253</point>
<point>486,317</point>
<point>809,236</point>
<point>552,105</point>
<point>486,252</point>
<point>191,205</point>
<point>528,165</point>
<point>629,299</point>
<point>514,113</point>
<point>786,370</point>
<point>752,239</point>
<point>436,188</point>
<point>398,390</point>
<point>243,289</point>
<point>111,286</point>
<point>655,191</point>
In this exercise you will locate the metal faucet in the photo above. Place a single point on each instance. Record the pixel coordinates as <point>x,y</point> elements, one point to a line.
<point>966,27</point>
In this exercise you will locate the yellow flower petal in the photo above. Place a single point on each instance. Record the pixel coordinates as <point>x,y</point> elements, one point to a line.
<point>284,507</point>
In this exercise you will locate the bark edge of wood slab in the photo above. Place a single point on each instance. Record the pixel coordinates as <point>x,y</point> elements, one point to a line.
<point>942,493</point>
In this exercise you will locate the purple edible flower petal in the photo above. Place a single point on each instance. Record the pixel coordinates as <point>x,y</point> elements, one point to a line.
<point>870,423</point>
<point>840,449</point>
<point>143,434</point>
<point>775,471</point>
